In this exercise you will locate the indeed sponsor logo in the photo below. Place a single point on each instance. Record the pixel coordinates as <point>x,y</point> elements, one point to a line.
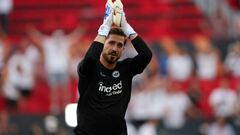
<point>108,89</point>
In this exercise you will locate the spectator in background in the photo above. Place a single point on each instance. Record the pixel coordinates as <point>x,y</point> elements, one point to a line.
<point>207,69</point>
<point>20,74</point>
<point>219,20</point>
<point>207,59</point>
<point>220,127</point>
<point>232,61</point>
<point>153,92</point>
<point>56,49</point>
<point>4,49</point>
<point>180,67</point>
<point>165,48</point>
<point>6,7</point>
<point>176,106</point>
<point>194,92</point>
<point>223,99</point>
<point>4,54</point>
<point>77,51</point>
<point>236,26</point>
<point>175,62</point>
<point>195,95</point>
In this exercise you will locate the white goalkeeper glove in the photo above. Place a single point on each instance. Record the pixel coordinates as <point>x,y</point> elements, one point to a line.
<point>119,18</point>
<point>108,19</point>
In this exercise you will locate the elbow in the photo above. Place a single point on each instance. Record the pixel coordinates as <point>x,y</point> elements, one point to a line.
<point>146,56</point>
<point>149,56</point>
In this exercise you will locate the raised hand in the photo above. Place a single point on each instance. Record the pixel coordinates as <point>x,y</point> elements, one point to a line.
<point>120,20</point>
<point>108,19</point>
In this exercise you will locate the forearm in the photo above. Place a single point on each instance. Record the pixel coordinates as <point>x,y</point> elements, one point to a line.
<point>91,57</point>
<point>142,59</point>
<point>107,23</point>
<point>100,39</point>
<point>131,37</point>
<point>144,52</point>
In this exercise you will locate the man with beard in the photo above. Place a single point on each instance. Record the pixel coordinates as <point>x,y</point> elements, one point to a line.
<point>104,82</point>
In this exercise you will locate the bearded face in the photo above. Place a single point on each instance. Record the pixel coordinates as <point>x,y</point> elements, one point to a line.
<point>113,48</point>
<point>111,57</point>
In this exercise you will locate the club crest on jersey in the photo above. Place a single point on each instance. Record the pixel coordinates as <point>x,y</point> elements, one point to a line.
<point>116,74</point>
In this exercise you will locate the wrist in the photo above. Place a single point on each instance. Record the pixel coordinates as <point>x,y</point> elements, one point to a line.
<point>128,30</point>
<point>104,30</point>
<point>133,36</point>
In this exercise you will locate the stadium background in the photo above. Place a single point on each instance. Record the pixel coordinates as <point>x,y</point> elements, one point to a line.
<point>166,25</point>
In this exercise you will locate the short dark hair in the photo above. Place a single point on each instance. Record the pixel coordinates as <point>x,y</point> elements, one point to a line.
<point>117,31</point>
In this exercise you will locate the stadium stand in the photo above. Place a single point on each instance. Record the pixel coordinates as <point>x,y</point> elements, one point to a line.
<point>180,19</point>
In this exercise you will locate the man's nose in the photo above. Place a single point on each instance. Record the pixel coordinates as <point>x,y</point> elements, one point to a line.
<point>114,47</point>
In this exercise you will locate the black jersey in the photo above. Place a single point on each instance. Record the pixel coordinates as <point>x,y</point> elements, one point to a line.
<point>104,93</point>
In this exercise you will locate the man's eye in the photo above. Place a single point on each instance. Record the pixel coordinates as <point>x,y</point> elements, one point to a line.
<point>120,45</point>
<point>111,42</point>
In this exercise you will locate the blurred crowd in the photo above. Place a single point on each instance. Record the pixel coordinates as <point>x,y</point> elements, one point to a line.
<point>185,81</point>
<point>38,58</point>
<point>193,85</point>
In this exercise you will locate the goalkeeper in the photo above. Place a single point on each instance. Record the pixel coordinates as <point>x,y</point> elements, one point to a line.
<point>104,82</point>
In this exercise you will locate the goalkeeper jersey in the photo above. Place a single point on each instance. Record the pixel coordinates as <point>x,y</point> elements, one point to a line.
<point>104,93</point>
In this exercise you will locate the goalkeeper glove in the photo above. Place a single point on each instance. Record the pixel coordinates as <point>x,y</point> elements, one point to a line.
<point>119,18</point>
<point>108,19</point>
